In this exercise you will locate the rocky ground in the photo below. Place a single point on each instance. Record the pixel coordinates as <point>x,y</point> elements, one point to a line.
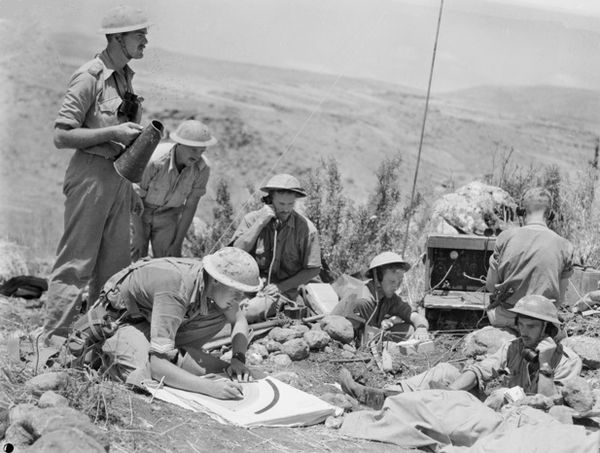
<point>78,410</point>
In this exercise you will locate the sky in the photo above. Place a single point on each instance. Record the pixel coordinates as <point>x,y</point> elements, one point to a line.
<point>482,42</point>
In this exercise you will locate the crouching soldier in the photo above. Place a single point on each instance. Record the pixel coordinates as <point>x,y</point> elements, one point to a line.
<point>535,361</point>
<point>378,305</point>
<point>167,309</point>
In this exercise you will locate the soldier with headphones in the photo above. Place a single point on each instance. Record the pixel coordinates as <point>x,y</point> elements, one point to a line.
<point>531,259</point>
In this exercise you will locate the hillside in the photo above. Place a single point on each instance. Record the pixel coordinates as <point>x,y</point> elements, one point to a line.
<point>272,120</point>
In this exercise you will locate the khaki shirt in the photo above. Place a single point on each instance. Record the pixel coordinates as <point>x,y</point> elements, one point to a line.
<point>509,360</point>
<point>164,186</point>
<point>530,260</point>
<point>92,100</point>
<point>168,293</point>
<point>297,246</point>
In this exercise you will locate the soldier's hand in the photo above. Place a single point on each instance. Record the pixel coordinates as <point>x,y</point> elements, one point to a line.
<point>546,349</point>
<point>224,389</point>
<point>126,133</point>
<point>387,324</point>
<point>271,290</point>
<point>267,213</point>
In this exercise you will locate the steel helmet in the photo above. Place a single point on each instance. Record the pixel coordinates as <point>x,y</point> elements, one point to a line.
<point>235,268</point>
<point>193,133</point>
<point>537,307</point>
<point>123,19</point>
<point>387,258</point>
<point>284,182</point>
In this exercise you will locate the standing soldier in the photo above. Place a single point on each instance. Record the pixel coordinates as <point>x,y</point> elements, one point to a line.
<point>171,187</point>
<point>99,117</point>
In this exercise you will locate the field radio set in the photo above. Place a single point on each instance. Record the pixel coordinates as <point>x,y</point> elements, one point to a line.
<point>455,270</point>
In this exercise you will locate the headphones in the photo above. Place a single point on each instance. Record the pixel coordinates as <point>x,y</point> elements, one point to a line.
<point>549,213</point>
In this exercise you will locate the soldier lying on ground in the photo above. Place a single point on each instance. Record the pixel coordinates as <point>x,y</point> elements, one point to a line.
<point>168,309</point>
<point>378,304</point>
<point>534,361</point>
<point>284,243</point>
<point>171,187</point>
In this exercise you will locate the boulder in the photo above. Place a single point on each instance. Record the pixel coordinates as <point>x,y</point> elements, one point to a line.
<point>338,328</point>
<point>473,209</point>
<point>281,360</point>
<point>283,334</point>
<point>578,394</point>
<point>260,349</point>
<point>485,341</point>
<point>47,381</point>
<point>297,349</point>
<point>52,399</point>
<point>317,339</point>
<point>253,357</point>
<point>300,328</point>
<point>563,414</point>
<point>587,348</point>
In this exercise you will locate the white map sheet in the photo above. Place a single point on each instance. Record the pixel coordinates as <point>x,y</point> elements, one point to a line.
<point>266,402</point>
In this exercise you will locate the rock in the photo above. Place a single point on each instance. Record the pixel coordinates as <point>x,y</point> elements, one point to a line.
<point>68,439</point>
<point>315,326</point>
<point>473,209</point>
<point>562,413</point>
<point>587,348</point>
<point>253,357</point>
<point>537,401</point>
<point>39,422</point>
<point>52,399</point>
<point>328,349</point>
<point>281,360</point>
<point>300,328</point>
<point>342,400</point>
<point>297,349</point>
<point>349,347</point>
<point>347,355</point>
<point>578,394</point>
<point>47,381</point>
<point>317,339</point>
<point>334,422</point>
<point>338,328</point>
<point>260,349</point>
<point>485,341</point>
<point>3,421</point>
<point>289,377</point>
<point>282,334</point>
<point>272,345</point>
<point>227,356</point>
<point>18,436</point>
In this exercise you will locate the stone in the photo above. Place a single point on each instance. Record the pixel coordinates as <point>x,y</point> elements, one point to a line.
<point>334,422</point>
<point>253,357</point>
<point>281,360</point>
<point>563,414</point>
<point>317,339</point>
<point>587,348</point>
<point>18,436</point>
<point>485,341</point>
<point>300,328</point>
<point>52,399</point>
<point>338,328</point>
<point>578,394</point>
<point>537,401</point>
<point>260,349</point>
<point>283,334</point>
<point>289,377</point>
<point>297,349</point>
<point>227,356</point>
<point>47,381</point>
<point>68,439</point>
<point>349,347</point>
<point>342,400</point>
<point>328,349</point>
<point>347,355</point>
<point>272,345</point>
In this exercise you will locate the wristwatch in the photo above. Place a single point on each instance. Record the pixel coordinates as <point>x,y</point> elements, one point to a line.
<point>239,356</point>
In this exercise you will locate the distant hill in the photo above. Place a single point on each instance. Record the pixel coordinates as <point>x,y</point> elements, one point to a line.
<point>273,120</point>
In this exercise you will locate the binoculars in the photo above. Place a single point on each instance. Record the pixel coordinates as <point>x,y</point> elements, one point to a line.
<point>130,106</point>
